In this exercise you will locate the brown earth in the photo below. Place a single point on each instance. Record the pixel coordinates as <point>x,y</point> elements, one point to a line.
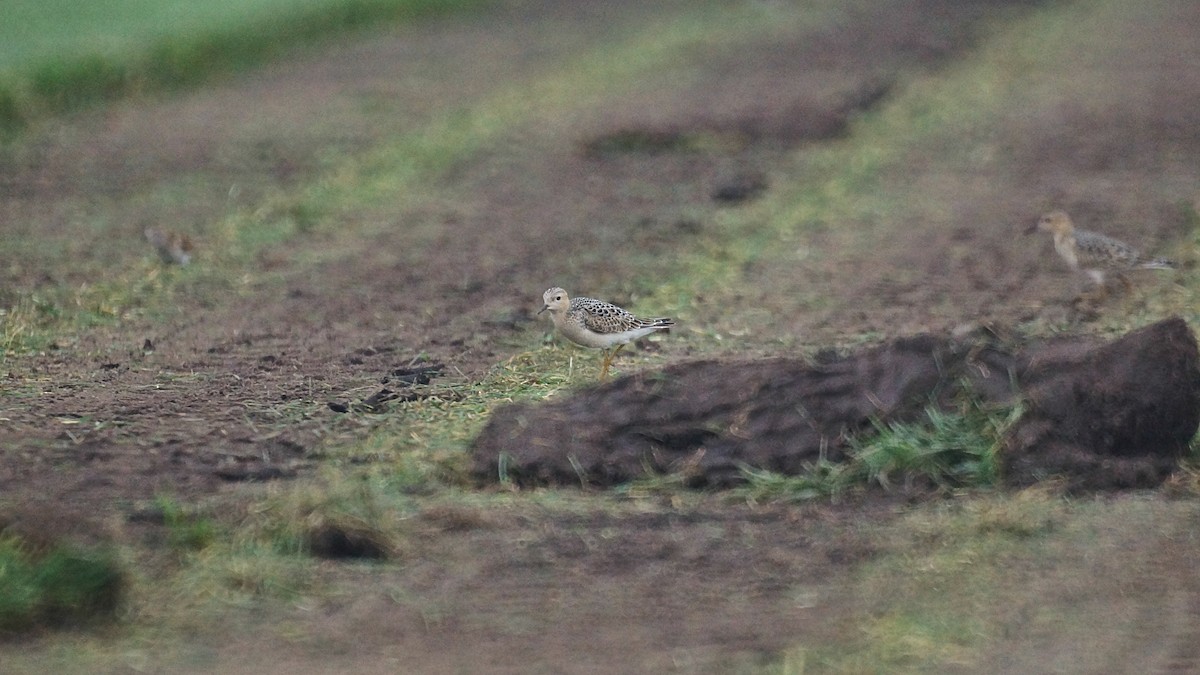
<point>1108,416</point>
<point>116,415</point>
<point>117,421</point>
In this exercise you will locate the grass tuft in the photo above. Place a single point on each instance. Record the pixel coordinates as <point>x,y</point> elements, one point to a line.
<point>186,530</point>
<point>59,586</point>
<point>947,450</point>
<point>338,518</point>
<point>66,84</point>
<point>824,480</point>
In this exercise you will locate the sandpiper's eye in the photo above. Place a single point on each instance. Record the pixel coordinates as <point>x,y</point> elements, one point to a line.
<point>558,297</point>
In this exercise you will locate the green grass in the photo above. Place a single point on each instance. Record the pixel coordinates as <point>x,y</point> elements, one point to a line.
<point>186,530</point>
<point>958,578</point>
<point>945,452</point>
<point>58,586</point>
<point>58,56</point>
<point>55,314</point>
<point>954,449</point>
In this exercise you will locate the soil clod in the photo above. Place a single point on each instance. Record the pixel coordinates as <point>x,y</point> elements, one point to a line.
<point>1112,415</point>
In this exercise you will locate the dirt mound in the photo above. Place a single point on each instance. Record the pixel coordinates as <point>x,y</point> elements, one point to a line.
<point>1118,415</point>
<point>710,417</point>
<point>1108,416</point>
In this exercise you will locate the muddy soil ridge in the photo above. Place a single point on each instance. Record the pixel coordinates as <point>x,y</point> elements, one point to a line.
<point>1116,415</point>
<point>1104,415</point>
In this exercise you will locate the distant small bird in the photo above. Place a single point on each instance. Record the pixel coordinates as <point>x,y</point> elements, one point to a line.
<point>171,246</point>
<point>1092,253</point>
<point>597,324</point>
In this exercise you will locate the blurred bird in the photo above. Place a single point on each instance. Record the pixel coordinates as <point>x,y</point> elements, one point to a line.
<point>1092,253</point>
<point>597,324</point>
<point>171,246</point>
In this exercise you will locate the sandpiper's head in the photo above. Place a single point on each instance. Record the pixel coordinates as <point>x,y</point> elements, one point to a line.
<point>1055,222</point>
<point>556,300</point>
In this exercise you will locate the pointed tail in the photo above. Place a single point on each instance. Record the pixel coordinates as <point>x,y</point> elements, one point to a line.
<point>656,323</point>
<point>1157,264</point>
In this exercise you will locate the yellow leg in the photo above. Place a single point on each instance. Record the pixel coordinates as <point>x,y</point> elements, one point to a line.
<point>608,357</point>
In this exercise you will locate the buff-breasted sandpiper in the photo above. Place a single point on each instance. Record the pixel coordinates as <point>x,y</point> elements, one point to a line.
<point>597,324</point>
<point>1092,253</point>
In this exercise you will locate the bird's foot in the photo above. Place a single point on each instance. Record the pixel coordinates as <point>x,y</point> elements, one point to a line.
<point>608,359</point>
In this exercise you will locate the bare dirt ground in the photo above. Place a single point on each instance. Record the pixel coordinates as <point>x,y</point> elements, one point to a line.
<point>99,423</point>
<point>179,417</point>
